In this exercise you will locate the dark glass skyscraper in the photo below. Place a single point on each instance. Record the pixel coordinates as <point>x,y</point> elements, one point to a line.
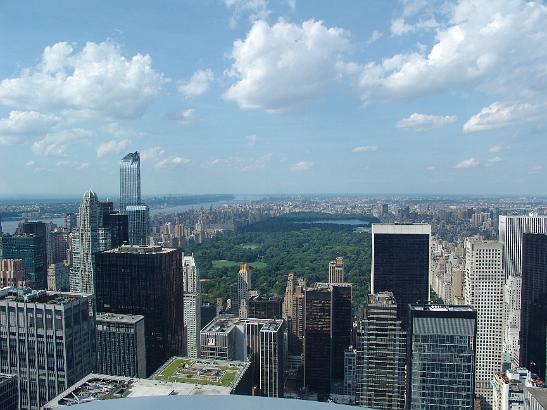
<point>534,303</point>
<point>327,334</point>
<point>441,357</point>
<point>32,250</point>
<point>400,263</point>
<point>130,180</point>
<point>147,281</point>
<point>117,224</point>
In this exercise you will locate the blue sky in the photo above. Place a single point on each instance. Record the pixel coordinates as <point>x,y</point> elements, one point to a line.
<point>258,96</point>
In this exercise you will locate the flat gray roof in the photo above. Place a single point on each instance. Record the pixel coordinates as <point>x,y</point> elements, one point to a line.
<point>118,318</point>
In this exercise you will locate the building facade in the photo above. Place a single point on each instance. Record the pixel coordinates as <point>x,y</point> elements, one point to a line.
<point>441,357</point>
<point>130,180</point>
<point>48,341</point>
<point>381,355</point>
<point>336,270</point>
<point>244,285</point>
<point>293,313</point>
<point>272,356</point>
<point>401,263</point>
<point>11,273</point>
<point>31,249</point>
<point>534,303</point>
<point>121,349</point>
<point>265,307</point>
<point>58,277</point>
<point>139,224</point>
<point>327,335</point>
<point>147,281</point>
<point>9,397</point>
<point>483,289</point>
<point>511,230</point>
<point>192,305</point>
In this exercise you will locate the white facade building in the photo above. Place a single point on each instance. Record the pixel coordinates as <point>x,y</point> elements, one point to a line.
<point>483,289</point>
<point>511,229</point>
<point>192,305</point>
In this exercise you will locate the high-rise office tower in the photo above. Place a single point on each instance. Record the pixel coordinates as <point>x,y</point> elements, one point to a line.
<point>483,290</point>
<point>118,225</point>
<point>31,249</point>
<point>293,312</point>
<point>192,304</point>
<point>327,334</point>
<point>51,347</point>
<point>11,273</point>
<point>243,288</point>
<point>336,270</point>
<point>533,328</point>
<point>441,357</point>
<point>511,230</point>
<point>121,349</point>
<point>272,372</point>
<point>40,230</point>
<point>92,238</point>
<point>401,263</point>
<point>381,355</point>
<point>147,281</point>
<point>58,277</point>
<point>139,224</point>
<point>130,180</point>
<point>9,398</point>
<point>265,307</point>
<point>70,221</point>
<point>57,246</point>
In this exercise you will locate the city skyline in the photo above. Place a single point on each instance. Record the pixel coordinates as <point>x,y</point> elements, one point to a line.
<point>328,101</point>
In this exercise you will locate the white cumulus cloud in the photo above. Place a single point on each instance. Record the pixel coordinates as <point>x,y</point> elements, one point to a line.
<point>171,161</point>
<point>197,84</point>
<point>98,80</point>
<point>302,166</point>
<point>56,143</point>
<point>499,45</point>
<point>374,37</point>
<point>499,115</point>
<point>365,148</point>
<point>20,124</point>
<point>152,153</point>
<point>254,9</point>
<point>281,66</point>
<point>112,147</point>
<point>423,122</point>
<point>468,163</point>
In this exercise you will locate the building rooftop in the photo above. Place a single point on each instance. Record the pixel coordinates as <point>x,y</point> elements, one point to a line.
<point>132,157</point>
<point>5,376</point>
<point>225,322</point>
<point>402,228</point>
<point>441,308</point>
<point>233,402</point>
<point>104,387</point>
<point>140,249</point>
<point>219,375</point>
<point>540,394</point>
<point>118,318</point>
<point>27,295</point>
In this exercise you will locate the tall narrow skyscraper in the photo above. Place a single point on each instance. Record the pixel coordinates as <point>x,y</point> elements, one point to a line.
<point>533,338</point>
<point>192,304</point>
<point>130,180</point>
<point>511,230</point>
<point>381,355</point>
<point>401,263</point>
<point>336,270</point>
<point>483,289</point>
<point>441,357</point>
<point>243,288</point>
<point>91,238</point>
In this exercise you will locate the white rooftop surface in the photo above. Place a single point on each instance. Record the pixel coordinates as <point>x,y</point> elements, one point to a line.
<point>145,387</point>
<point>402,229</point>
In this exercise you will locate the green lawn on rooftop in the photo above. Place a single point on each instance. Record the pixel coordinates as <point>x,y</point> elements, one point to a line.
<point>169,372</point>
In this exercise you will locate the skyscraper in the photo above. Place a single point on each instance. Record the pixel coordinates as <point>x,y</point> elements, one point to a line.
<point>483,290</point>
<point>192,304</point>
<point>130,180</point>
<point>381,355</point>
<point>327,334</point>
<point>511,230</point>
<point>441,357</point>
<point>41,231</point>
<point>533,338</point>
<point>336,270</point>
<point>91,238</point>
<point>401,263</point>
<point>11,273</point>
<point>243,287</point>
<point>272,371</point>
<point>51,347</point>
<point>139,224</point>
<point>121,349</point>
<point>293,312</point>
<point>9,399</point>
<point>30,248</point>
<point>147,281</point>
<point>265,307</point>
<point>118,225</point>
